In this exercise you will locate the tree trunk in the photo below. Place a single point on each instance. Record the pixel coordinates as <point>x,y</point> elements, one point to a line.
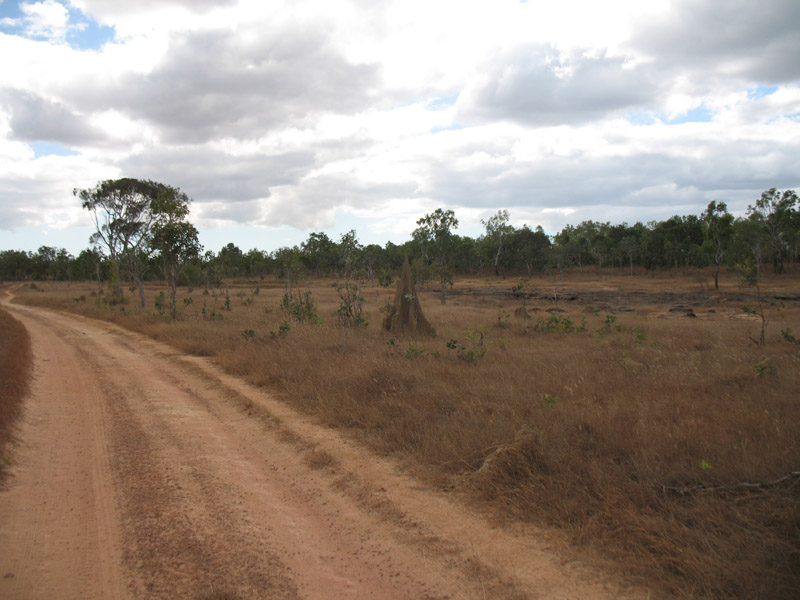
<point>140,285</point>
<point>115,280</point>
<point>173,293</point>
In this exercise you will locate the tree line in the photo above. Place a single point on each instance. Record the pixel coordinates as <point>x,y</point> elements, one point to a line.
<point>142,233</point>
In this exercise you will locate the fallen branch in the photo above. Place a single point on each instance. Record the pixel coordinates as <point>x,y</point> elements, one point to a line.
<point>701,488</point>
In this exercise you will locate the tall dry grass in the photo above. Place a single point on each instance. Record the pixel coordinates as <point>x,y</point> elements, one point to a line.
<point>614,429</point>
<point>15,369</point>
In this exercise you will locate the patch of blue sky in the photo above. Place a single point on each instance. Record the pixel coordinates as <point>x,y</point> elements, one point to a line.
<point>760,91</point>
<point>88,33</point>
<point>10,10</point>
<point>11,17</point>
<point>31,238</point>
<point>453,127</point>
<point>699,114</point>
<point>84,33</point>
<point>640,117</point>
<point>442,102</point>
<point>49,149</point>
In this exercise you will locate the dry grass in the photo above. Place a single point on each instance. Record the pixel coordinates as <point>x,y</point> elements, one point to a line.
<point>15,369</point>
<point>583,430</point>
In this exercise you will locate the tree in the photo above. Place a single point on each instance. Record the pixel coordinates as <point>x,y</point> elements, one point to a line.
<point>174,239</point>
<point>434,234</point>
<point>528,249</point>
<point>88,264</point>
<point>572,246</point>
<point>15,265</point>
<point>350,313</point>
<point>257,263</point>
<point>629,247</point>
<point>319,253</point>
<point>374,260</point>
<point>593,239</point>
<point>673,242</point>
<point>497,232</point>
<point>288,265</point>
<point>776,213</point>
<point>230,260</point>
<point>123,216</point>
<point>719,228</point>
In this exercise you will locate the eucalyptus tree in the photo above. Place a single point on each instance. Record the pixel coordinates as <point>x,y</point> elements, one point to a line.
<point>319,253</point>
<point>571,248</point>
<point>719,229</point>
<point>230,261</point>
<point>15,265</point>
<point>174,240</point>
<point>776,214</point>
<point>498,230</point>
<point>434,234</point>
<point>288,265</point>
<point>629,247</point>
<point>123,214</point>
<point>528,249</point>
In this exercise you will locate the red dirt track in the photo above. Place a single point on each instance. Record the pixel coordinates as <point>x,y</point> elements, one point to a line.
<point>145,473</point>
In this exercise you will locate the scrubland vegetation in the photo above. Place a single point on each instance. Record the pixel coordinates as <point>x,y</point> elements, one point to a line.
<point>644,421</point>
<point>15,363</point>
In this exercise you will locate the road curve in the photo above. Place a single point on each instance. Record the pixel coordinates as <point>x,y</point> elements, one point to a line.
<point>145,473</point>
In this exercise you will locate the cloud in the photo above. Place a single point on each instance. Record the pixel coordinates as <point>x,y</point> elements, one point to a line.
<point>539,85</point>
<point>33,118</point>
<point>39,191</point>
<point>237,84</point>
<point>47,20</point>
<point>309,114</point>
<point>756,41</point>
<point>209,174</point>
<point>114,9</point>
<point>615,165</point>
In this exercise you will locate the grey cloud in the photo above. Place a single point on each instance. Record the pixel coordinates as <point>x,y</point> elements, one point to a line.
<point>755,40</point>
<point>525,86</point>
<point>35,119</point>
<point>208,175</point>
<point>219,84</point>
<point>317,199</point>
<point>342,189</point>
<point>29,200</point>
<point>659,183</point>
<point>17,195</point>
<point>238,212</point>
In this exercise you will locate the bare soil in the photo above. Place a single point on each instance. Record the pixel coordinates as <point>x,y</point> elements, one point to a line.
<point>142,472</point>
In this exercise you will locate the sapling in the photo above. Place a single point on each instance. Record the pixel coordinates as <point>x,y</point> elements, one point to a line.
<point>764,310</point>
<point>789,336</point>
<point>350,312</point>
<point>302,308</point>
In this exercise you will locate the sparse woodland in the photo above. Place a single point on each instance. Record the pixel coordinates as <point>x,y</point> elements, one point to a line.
<point>768,236</point>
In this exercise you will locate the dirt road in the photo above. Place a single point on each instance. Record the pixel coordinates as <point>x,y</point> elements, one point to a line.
<point>145,473</point>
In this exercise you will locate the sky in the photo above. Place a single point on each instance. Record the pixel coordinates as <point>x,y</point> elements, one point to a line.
<point>284,118</point>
